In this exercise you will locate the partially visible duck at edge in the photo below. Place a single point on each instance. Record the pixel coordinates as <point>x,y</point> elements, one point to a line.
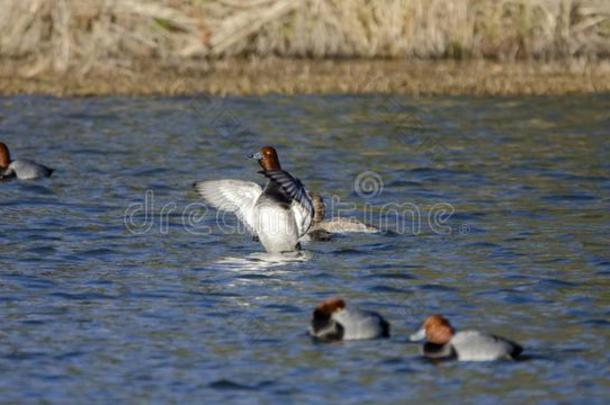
<point>332,321</point>
<point>22,169</point>
<point>322,229</point>
<point>443,342</point>
<point>278,215</point>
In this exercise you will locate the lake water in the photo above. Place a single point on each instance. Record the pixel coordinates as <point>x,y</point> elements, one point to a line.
<point>116,284</point>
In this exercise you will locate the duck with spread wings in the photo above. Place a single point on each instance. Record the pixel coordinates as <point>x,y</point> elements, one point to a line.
<point>279,214</point>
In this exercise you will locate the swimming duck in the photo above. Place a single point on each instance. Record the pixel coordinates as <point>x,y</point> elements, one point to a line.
<point>322,229</point>
<point>22,169</point>
<point>442,342</point>
<point>331,320</point>
<point>278,215</point>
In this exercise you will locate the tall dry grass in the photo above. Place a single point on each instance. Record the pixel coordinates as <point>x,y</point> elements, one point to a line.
<point>121,35</point>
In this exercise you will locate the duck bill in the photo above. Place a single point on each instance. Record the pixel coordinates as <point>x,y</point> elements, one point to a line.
<point>417,336</point>
<point>257,156</point>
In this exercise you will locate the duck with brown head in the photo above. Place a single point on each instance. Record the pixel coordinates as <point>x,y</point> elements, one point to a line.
<point>5,156</point>
<point>332,320</point>
<point>442,342</point>
<point>279,215</point>
<point>267,159</point>
<point>22,169</point>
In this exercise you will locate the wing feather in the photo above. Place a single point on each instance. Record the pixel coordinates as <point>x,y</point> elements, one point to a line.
<point>234,196</point>
<point>302,205</point>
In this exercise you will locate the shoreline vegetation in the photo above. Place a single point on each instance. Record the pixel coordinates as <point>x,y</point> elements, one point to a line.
<point>289,76</point>
<point>233,47</point>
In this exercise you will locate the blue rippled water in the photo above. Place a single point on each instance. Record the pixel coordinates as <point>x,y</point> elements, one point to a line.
<point>116,284</point>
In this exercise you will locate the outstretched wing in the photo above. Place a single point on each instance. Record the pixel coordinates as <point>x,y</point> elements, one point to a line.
<point>302,205</point>
<point>234,196</point>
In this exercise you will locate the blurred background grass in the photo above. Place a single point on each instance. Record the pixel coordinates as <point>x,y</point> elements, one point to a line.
<point>46,41</point>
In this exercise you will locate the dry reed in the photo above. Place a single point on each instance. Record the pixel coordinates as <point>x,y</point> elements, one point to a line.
<point>123,37</point>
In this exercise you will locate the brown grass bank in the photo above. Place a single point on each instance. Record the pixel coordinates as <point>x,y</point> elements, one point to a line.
<point>293,46</point>
<point>239,77</point>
